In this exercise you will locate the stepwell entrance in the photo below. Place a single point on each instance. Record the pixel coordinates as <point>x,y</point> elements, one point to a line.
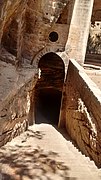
<point>48,90</point>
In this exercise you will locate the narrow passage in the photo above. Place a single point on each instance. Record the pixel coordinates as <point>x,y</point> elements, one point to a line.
<point>48,106</point>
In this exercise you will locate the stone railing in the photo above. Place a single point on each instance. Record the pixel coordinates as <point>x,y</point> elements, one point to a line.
<point>83,112</point>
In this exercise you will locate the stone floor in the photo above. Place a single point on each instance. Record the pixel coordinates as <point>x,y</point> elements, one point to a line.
<point>45,153</point>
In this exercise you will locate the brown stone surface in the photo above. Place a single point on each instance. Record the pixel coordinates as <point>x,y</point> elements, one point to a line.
<point>11,80</point>
<point>16,86</point>
<point>7,81</point>
<point>83,111</point>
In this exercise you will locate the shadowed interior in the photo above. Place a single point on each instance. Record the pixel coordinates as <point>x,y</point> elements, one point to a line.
<point>48,106</point>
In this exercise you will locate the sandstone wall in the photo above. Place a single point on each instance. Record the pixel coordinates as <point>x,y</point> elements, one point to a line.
<point>8,9</point>
<point>26,26</point>
<point>41,20</point>
<point>82,112</point>
<point>15,107</point>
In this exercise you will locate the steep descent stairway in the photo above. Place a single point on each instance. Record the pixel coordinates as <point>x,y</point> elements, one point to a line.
<point>43,153</point>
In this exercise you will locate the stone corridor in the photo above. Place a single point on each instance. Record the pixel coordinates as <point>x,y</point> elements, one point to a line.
<point>44,152</point>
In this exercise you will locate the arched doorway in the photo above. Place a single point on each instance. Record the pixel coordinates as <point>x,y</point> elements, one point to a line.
<point>48,90</point>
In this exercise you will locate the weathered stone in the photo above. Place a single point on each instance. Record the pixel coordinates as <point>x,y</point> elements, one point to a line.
<point>85,134</point>
<point>82,122</point>
<point>35,58</point>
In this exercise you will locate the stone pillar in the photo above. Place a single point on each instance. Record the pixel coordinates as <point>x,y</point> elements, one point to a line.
<point>79,30</point>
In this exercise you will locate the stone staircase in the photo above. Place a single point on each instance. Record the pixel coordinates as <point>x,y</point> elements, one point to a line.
<point>44,152</point>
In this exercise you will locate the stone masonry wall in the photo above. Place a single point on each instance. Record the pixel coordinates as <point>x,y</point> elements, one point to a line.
<point>83,112</point>
<point>15,108</point>
<point>41,18</point>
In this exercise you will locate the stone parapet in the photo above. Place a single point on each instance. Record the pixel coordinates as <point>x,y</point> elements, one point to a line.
<point>83,112</point>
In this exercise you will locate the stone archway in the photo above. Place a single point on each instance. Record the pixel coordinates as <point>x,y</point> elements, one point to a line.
<point>48,90</point>
<point>53,49</point>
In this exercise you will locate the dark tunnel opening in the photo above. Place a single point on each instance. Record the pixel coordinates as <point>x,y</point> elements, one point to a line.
<point>48,90</point>
<point>48,106</point>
